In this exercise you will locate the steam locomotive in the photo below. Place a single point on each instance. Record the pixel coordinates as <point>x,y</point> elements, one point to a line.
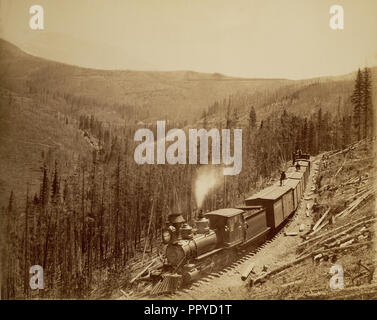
<point>191,251</point>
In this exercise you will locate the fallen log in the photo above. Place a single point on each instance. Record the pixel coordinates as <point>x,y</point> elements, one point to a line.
<point>335,236</point>
<point>350,246</point>
<point>341,167</point>
<point>143,271</point>
<point>124,293</point>
<point>278,269</point>
<point>331,231</point>
<point>292,283</point>
<point>321,219</point>
<point>286,233</point>
<point>249,269</point>
<point>319,228</point>
<point>339,242</point>
<point>355,203</point>
<point>355,196</point>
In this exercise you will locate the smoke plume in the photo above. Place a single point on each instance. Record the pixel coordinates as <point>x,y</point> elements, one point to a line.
<point>207,179</point>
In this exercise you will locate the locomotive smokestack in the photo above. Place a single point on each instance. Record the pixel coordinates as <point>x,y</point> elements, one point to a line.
<point>176,219</point>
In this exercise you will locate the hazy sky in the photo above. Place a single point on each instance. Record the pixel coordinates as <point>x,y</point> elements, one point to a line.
<point>250,38</point>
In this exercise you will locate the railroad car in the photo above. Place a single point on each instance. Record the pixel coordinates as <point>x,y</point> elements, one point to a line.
<point>297,191</point>
<point>278,201</point>
<point>300,176</point>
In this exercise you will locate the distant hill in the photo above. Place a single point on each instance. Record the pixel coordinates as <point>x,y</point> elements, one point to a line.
<point>171,94</point>
<point>301,97</point>
<point>168,94</point>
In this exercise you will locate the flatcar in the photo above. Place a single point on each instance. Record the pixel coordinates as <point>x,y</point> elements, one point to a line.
<point>191,249</point>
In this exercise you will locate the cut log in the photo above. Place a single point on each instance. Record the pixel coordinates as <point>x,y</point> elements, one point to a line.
<point>321,219</point>
<point>346,243</point>
<point>319,228</point>
<point>336,229</point>
<point>350,246</point>
<point>143,271</point>
<point>341,167</point>
<point>124,293</point>
<point>278,269</point>
<point>338,242</point>
<point>335,236</point>
<point>318,257</point>
<point>293,283</point>
<point>249,269</point>
<point>356,203</point>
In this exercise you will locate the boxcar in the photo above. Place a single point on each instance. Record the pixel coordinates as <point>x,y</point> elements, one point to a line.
<point>298,175</point>
<point>305,167</point>
<point>278,201</point>
<point>296,186</point>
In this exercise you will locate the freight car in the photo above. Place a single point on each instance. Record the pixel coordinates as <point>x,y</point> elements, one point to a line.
<point>190,251</point>
<point>279,204</point>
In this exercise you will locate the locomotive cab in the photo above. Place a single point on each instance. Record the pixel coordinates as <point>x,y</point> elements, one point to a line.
<point>229,225</point>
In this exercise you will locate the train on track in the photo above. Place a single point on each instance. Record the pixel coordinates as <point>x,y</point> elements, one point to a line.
<point>218,235</point>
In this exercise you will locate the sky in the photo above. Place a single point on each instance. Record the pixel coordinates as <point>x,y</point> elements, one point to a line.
<point>245,38</point>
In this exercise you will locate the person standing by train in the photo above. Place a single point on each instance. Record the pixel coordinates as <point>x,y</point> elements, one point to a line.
<point>282,178</point>
<point>293,158</point>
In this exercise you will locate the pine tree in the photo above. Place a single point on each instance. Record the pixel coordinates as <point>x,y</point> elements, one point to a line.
<point>55,188</point>
<point>357,101</point>
<point>304,134</point>
<point>228,116</point>
<point>311,135</point>
<point>204,117</point>
<point>346,130</point>
<point>235,114</point>
<point>367,102</point>
<point>44,193</point>
<point>252,118</point>
<point>319,132</point>
<point>11,201</point>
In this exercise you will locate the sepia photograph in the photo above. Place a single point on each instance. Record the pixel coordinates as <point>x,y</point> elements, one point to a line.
<point>183,150</point>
